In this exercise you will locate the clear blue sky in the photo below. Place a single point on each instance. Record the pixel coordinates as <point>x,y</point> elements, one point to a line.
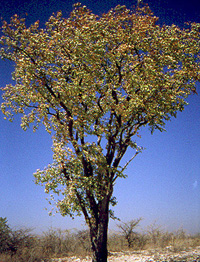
<point>163,182</point>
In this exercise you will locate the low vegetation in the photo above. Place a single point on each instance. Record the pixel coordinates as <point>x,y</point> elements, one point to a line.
<point>24,246</point>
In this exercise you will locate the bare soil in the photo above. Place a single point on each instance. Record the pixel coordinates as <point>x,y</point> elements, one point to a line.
<point>153,255</point>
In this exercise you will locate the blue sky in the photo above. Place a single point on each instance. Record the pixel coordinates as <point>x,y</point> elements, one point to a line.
<point>163,181</point>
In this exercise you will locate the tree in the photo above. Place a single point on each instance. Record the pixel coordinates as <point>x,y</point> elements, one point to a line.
<point>4,234</point>
<point>94,82</point>
<point>11,241</point>
<point>127,230</point>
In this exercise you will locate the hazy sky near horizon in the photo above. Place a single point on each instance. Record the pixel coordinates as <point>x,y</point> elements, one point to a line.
<point>163,182</point>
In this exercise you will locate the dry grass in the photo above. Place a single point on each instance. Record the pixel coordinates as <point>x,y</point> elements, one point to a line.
<point>21,245</point>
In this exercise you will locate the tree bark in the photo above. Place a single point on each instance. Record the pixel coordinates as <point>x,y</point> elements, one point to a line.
<point>99,235</point>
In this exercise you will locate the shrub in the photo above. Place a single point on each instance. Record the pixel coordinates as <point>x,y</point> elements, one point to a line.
<point>4,235</point>
<point>128,233</point>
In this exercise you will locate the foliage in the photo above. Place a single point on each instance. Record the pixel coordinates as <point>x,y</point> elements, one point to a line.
<point>15,242</point>
<point>94,82</point>
<point>4,234</point>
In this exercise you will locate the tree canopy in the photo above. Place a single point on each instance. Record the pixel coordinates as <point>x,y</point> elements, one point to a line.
<point>94,82</point>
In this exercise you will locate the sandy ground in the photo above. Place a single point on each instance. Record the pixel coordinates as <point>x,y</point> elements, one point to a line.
<point>166,255</point>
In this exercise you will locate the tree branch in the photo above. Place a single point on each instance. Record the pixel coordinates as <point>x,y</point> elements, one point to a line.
<point>119,72</point>
<point>79,198</point>
<point>125,166</point>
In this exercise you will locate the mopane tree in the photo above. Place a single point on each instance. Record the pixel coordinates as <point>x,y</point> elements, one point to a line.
<point>94,82</point>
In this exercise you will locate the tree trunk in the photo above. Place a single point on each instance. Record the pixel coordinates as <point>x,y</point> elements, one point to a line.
<point>99,236</point>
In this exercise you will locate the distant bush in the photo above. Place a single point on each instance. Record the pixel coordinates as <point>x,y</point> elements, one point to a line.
<point>128,232</point>
<point>153,237</point>
<point>17,245</point>
<point>23,246</point>
<point>4,235</point>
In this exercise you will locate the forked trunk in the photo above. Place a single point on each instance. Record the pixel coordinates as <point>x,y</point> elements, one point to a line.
<point>99,236</point>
